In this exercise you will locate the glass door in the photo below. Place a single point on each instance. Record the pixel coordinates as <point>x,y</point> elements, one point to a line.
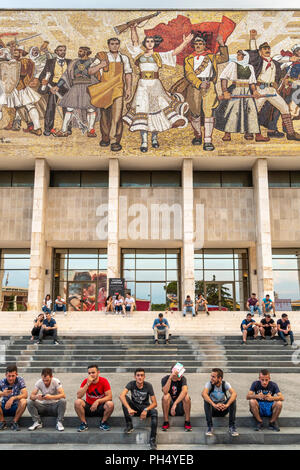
<point>220,295</point>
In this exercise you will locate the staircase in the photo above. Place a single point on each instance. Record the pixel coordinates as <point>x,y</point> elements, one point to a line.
<point>124,353</point>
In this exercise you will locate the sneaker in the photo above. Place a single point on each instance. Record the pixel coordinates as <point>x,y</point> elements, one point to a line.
<point>294,346</point>
<point>55,342</point>
<point>243,342</point>
<point>83,427</point>
<point>2,425</point>
<point>129,428</point>
<point>258,426</point>
<point>59,426</point>
<point>156,341</point>
<point>187,426</point>
<point>153,445</point>
<point>165,426</point>
<point>209,431</point>
<point>35,425</point>
<point>285,343</point>
<point>274,426</point>
<point>104,426</point>
<point>233,432</point>
<point>39,342</point>
<point>15,426</point>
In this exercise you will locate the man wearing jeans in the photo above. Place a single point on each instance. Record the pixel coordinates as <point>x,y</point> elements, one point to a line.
<point>284,330</point>
<point>139,404</point>
<point>188,306</point>
<point>161,325</point>
<point>253,305</point>
<point>47,399</point>
<point>60,305</point>
<point>217,403</point>
<point>49,328</point>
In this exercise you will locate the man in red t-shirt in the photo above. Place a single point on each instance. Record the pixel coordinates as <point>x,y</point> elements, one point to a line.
<point>98,400</point>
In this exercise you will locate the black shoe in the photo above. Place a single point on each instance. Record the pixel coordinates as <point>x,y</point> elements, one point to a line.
<point>155,144</point>
<point>274,426</point>
<point>258,426</point>
<point>103,143</point>
<point>275,134</point>
<point>197,141</point>
<point>47,133</point>
<point>156,341</point>
<point>153,445</point>
<point>115,147</point>
<point>144,149</point>
<point>285,343</point>
<point>39,342</point>
<point>129,428</point>
<point>243,342</point>
<point>208,146</point>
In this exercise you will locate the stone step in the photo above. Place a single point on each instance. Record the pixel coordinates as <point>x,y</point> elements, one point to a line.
<point>288,435</point>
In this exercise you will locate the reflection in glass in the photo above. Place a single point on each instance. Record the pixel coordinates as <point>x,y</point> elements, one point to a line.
<point>14,278</point>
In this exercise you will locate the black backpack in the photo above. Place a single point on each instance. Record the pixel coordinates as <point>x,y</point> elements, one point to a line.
<point>223,389</point>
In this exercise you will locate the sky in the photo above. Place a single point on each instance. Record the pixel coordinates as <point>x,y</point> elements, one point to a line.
<point>155,4</point>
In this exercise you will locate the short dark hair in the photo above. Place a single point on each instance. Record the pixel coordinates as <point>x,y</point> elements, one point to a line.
<point>113,39</point>
<point>202,35</point>
<point>93,366</point>
<point>268,315</point>
<point>47,371</point>
<point>157,40</point>
<point>249,314</point>
<point>160,315</point>
<point>253,293</point>
<point>139,370</point>
<point>284,315</point>
<point>11,368</point>
<point>219,372</point>
<point>264,372</point>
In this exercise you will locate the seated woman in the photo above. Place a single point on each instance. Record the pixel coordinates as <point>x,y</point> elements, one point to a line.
<point>109,304</point>
<point>47,304</point>
<point>37,326</point>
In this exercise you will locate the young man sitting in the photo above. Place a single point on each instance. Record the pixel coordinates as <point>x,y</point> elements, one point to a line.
<point>267,327</point>
<point>284,330</point>
<point>217,403</point>
<point>176,400</point>
<point>268,305</point>
<point>249,328</point>
<point>161,325</point>
<point>201,304</point>
<point>49,328</point>
<point>14,398</point>
<point>265,399</point>
<point>188,306</point>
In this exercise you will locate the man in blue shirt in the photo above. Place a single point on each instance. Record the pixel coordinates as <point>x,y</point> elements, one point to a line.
<point>161,325</point>
<point>268,305</point>
<point>49,328</point>
<point>14,397</point>
<point>249,327</point>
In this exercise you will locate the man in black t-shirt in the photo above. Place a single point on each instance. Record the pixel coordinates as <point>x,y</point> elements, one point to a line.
<point>265,399</point>
<point>267,327</point>
<point>139,404</point>
<point>284,330</point>
<point>175,400</point>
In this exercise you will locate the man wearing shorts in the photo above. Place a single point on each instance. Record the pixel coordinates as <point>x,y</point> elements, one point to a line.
<point>249,328</point>
<point>176,400</point>
<point>267,327</point>
<point>13,395</point>
<point>98,400</point>
<point>265,399</point>
<point>129,303</point>
<point>201,304</point>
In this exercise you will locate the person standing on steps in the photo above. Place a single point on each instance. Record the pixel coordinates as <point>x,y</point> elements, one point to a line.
<point>265,399</point>
<point>217,403</point>
<point>139,404</point>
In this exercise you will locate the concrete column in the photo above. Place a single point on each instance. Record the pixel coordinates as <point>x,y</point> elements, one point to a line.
<point>113,250</point>
<point>263,229</point>
<point>253,269</point>
<point>36,289</point>
<point>187,266</point>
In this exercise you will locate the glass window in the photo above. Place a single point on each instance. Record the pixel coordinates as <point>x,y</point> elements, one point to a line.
<point>236,179</point>
<point>23,178</point>
<point>65,179</point>
<point>150,263</point>
<point>5,178</point>
<point>131,179</point>
<point>279,179</point>
<point>218,263</point>
<point>207,179</point>
<point>166,178</point>
<point>94,179</point>
<point>219,275</point>
<point>295,179</point>
<point>14,275</point>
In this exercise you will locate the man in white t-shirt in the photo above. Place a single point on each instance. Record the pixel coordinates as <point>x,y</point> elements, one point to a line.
<point>47,399</point>
<point>129,303</point>
<point>60,305</point>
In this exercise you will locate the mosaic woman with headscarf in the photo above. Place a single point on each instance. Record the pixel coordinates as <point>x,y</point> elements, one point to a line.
<point>238,115</point>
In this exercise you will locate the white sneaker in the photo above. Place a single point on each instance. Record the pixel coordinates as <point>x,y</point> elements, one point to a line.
<point>36,425</point>
<point>59,426</point>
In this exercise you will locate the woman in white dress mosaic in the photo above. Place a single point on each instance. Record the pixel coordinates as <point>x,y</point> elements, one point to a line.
<point>153,109</point>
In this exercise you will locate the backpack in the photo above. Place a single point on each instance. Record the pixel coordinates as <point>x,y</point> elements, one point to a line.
<point>223,389</point>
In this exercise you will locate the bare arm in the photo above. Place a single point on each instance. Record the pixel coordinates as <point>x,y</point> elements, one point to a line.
<point>233,396</point>
<point>182,395</point>
<point>207,398</point>
<point>153,403</point>
<point>185,42</point>
<point>134,35</point>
